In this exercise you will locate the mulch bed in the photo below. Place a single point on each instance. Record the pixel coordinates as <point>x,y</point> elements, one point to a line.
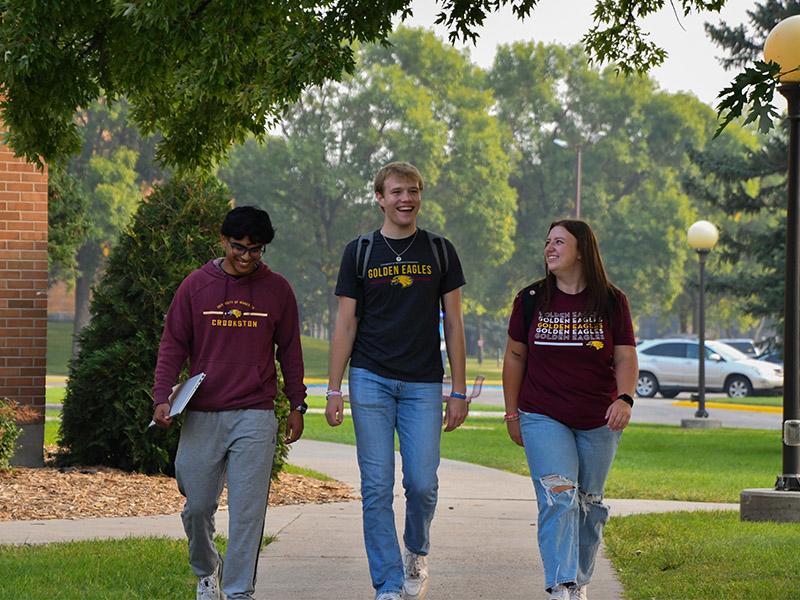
<point>81,493</point>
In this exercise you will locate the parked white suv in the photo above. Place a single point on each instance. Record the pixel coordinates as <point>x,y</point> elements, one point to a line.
<point>744,345</point>
<point>669,366</point>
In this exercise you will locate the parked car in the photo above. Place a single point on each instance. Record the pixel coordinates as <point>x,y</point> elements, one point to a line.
<point>773,356</point>
<point>744,345</point>
<point>669,366</point>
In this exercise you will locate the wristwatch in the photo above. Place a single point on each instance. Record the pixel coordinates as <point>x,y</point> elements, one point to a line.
<point>626,399</point>
<point>301,408</point>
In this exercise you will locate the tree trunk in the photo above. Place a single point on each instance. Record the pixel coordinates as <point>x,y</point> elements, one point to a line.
<point>480,341</point>
<point>88,260</point>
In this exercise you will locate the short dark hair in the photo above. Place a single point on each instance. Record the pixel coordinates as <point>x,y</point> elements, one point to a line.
<point>248,221</point>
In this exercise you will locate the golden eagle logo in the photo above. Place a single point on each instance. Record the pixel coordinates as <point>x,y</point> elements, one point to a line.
<point>596,344</point>
<point>235,313</point>
<point>402,280</point>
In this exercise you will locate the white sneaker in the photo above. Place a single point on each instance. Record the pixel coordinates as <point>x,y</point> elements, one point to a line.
<point>560,592</point>
<point>415,576</point>
<point>208,587</point>
<point>578,593</point>
<point>389,596</point>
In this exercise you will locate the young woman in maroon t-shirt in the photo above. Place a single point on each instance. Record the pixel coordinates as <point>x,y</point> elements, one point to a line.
<point>568,379</point>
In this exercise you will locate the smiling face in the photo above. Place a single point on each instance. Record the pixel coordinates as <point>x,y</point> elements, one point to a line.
<point>561,251</point>
<point>400,200</point>
<point>241,255</point>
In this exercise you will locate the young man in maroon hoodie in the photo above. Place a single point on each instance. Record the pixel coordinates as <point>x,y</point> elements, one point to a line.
<point>226,318</point>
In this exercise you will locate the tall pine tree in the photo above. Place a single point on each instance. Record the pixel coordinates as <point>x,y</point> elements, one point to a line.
<point>748,183</point>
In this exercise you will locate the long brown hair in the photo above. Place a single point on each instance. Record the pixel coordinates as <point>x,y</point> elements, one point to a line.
<point>602,294</point>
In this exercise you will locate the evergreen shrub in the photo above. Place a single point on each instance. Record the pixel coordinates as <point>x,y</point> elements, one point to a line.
<point>108,402</point>
<point>9,431</point>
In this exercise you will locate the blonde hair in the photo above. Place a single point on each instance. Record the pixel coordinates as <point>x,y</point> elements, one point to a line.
<point>401,169</point>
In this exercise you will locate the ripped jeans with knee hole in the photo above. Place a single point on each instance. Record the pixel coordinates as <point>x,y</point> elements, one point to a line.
<point>569,468</point>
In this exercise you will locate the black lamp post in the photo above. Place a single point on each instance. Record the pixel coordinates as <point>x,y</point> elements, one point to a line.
<point>702,237</point>
<point>782,503</point>
<point>783,47</point>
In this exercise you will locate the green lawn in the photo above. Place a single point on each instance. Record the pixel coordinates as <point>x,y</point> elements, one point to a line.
<point>751,400</point>
<point>700,556</point>
<point>315,357</point>
<point>658,462</point>
<point>126,569</point>
<point>59,347</point>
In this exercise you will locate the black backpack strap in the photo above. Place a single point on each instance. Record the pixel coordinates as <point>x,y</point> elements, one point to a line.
<point>439,251</point>
<point>363,250</point>
<point>531,295</point>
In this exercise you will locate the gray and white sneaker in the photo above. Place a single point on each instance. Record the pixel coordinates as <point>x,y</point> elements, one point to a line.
<point>415,575</point>
<point>208,587</point>
<point>389,596</point>
<point>560,592</point>
<point>578,593</point>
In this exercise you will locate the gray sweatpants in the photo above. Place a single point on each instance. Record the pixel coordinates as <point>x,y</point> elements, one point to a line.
<point>239,444</point>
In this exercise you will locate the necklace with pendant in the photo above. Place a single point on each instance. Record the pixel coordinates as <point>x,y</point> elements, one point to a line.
<point>399,255</point>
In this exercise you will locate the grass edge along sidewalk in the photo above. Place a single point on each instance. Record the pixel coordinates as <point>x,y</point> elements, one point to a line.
<point>127,568</point>
<point>703,556</point>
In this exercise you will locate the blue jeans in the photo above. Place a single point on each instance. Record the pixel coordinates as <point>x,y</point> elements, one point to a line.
<point>381,406</point>
<point>571,517</point>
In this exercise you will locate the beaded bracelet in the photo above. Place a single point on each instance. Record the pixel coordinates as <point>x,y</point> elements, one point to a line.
<point>509,418</point>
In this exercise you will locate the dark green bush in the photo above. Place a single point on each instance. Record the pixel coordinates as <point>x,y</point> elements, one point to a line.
<point>9,431</point>
<point>108,403</point>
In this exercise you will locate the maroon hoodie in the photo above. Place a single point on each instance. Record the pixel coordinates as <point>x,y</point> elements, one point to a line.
<point>228,327</point>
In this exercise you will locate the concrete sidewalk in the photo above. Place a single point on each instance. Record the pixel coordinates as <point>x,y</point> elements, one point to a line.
<point>483,539</point>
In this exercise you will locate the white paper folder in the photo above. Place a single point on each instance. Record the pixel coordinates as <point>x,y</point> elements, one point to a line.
<point>181,394</point>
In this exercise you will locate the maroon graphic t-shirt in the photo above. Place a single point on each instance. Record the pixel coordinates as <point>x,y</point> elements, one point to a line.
<point>570,370</point>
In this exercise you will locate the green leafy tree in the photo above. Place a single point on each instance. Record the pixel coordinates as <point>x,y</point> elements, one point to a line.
<point>93,195</point>
<point>745,180</point>
<point>752,90</point>
<point>66,223</point>
<point>108,403</point>
<point>112,195</point>
<point>207,74</point>
<point>418,100</point>
<point>634,141</point>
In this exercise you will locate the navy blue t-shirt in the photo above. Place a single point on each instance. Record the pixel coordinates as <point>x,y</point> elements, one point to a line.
<point>398,328</point>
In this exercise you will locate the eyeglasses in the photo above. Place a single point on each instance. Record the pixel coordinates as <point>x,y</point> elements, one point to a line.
<point>240,250</point>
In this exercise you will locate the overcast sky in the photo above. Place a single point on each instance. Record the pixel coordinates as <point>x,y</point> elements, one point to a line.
<point>691,65</point>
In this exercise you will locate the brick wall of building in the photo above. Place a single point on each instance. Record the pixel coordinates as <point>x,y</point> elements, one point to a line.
<point>23,280</point>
